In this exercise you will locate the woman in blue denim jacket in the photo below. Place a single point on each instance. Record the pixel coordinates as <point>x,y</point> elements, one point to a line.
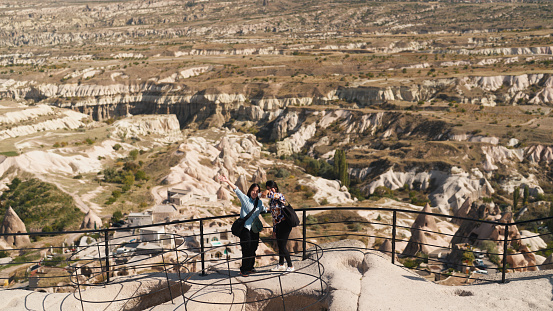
<point>249,240</point>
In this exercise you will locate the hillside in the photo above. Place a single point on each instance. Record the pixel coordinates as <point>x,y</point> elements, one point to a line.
<point>41,206</point>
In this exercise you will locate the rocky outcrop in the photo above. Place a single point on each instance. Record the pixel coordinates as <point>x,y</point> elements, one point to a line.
<point>517,262</point>
<point>386,248</point>
<point>454,187</point>
<point>242,184</point>
<point>55,119</point>
<point>222,194</point>
<point>531,264</point>
<point>260,176</point>
<point>463,211</point>
<point>539,154</point>
<point>532,240</point>
<point>91,221</point>
<point>327,190</point>
<point>425,237</point>
<point>13,224</point>
<point>370,95</point>
<point>537,50</point>
<point>166,126</point>
<point>548,263</point>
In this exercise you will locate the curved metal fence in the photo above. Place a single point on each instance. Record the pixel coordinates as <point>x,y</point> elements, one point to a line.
<point>193,249</point>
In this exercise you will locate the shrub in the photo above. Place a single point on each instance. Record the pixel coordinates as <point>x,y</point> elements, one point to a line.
<point>133,154</point>
<point>117,215</point>
<point>491,249</point>
<point>383,191</point>
<point>116,147</point>
<point>281,172</point>
<point>310,219</point>
<point>411,263</point>
<point>468,256</point>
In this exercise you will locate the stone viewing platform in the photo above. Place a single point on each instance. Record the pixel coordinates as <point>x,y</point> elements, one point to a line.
<point>353,278</point>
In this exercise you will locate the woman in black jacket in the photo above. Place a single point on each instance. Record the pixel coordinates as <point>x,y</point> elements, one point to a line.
<point>281,228</point>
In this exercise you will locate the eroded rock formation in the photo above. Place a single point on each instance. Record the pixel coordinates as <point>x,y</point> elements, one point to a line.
<point>425,237</point>
<point>13,224</point>
<point>91,221</point>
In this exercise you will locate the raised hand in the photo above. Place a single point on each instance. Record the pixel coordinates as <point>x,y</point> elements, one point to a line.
<point>223,178</point>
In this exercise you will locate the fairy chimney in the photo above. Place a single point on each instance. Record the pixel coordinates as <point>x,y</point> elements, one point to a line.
<point>13,224</point>
<point>427,221</point>
<point>192,172</point>
<point>224,143</point>
<point>529,257</point>
<point>463,211</point>
<point>386,248</point>
<point>229,165</point>
<point>91,221</point>
<point>222,194</point>
<point>242,184</point>
<point>423,239</point>
<point>259,176</point>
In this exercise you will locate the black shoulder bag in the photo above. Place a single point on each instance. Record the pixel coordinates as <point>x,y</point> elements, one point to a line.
<point>290,216</point>
<point>238,224</point>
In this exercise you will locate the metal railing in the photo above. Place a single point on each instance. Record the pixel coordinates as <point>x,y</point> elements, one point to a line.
<point>83,271</point>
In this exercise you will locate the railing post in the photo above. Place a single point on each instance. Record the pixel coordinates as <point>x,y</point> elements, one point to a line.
<point>106,249</point>
<point>228,269</point>
<point>100,259</point>
<point>202,248</point>
<point>394,220</point>
<point>166,275</point>
<point>79,286</point>
<point>506,236</point>
<point>304,232</point>
<point>178,268</point>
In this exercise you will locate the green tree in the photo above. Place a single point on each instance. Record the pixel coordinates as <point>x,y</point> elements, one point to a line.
<point>526,195</point>
<point>550,222</point>
<point>341,167</point>
<point>117,215</point>
<point>140,175</point>
<point>133,154</point>
<point>516,196</point>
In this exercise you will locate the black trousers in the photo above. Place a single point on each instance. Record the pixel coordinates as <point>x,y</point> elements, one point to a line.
<point>249,241</point>
<point>282,233</point>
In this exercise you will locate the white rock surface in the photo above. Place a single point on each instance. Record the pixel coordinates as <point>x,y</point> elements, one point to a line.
<point>167,126</point>
<point>389,287</point>
<point>533,240</point>
<point>453,187</point>
<point>327,189</point>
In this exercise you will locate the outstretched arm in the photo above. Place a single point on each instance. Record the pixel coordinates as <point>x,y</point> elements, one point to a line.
<point>277,196</point>
<point>224,178</point>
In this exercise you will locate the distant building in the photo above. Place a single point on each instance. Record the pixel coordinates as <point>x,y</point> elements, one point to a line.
<point>150,249</point>
<point>140,219</point>
<point>164,213</point>
<point>152,234</point>
<point>182,197</point>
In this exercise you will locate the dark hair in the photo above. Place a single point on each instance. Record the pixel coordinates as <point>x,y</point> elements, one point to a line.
<point>249,193</point>
<point>271,184</point>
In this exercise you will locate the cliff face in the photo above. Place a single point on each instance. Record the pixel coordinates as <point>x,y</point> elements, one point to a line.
<point>117,99</point>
